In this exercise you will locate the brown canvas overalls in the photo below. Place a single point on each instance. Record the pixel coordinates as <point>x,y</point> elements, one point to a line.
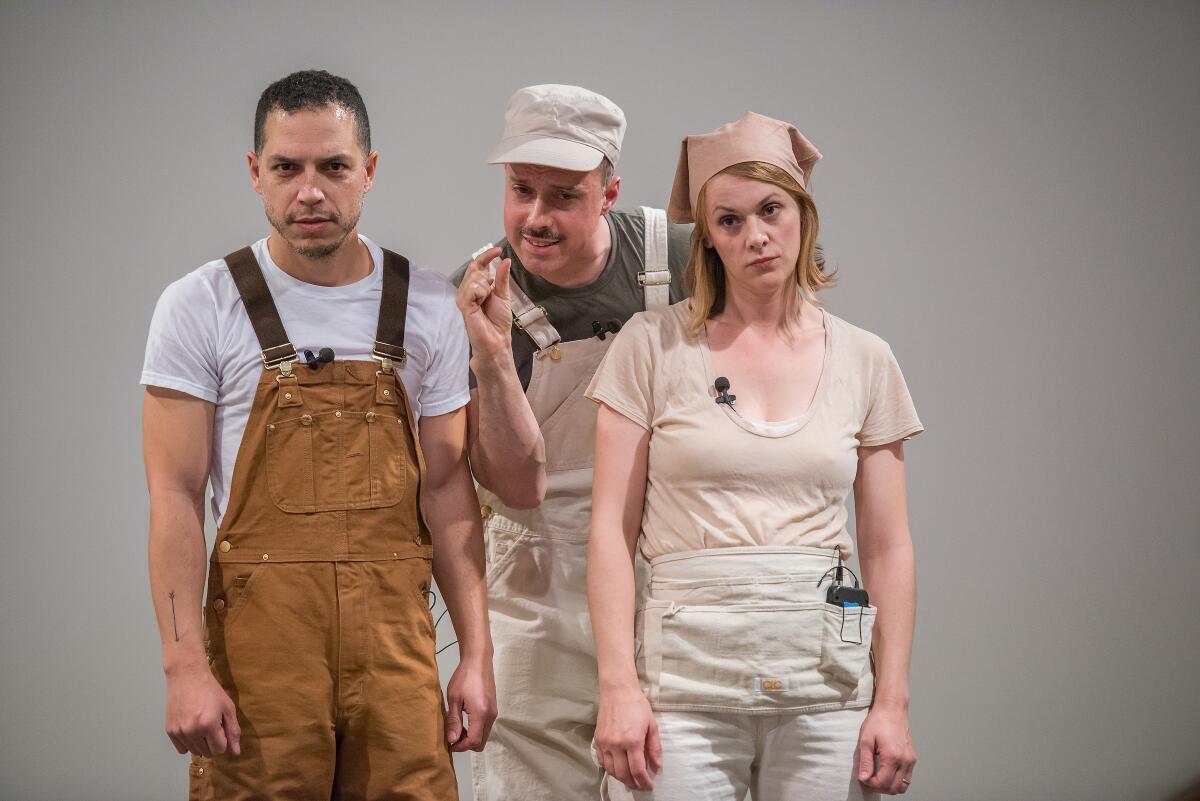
<point>316,613</point>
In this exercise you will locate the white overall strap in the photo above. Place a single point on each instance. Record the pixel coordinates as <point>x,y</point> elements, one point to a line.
<point>656,277</point>
<point>532,319</point>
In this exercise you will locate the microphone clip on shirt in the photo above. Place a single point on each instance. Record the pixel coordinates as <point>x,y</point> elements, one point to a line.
<point>723,396</point>
<point>600,330</point>
<point>324,356</point>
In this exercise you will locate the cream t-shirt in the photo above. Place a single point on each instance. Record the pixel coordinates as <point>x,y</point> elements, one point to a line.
<point>716,479</point>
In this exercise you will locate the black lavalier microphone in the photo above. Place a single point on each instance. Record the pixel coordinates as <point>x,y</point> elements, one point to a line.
<point>601,330</point>
<point>325,355</point>
<point>722,387</point>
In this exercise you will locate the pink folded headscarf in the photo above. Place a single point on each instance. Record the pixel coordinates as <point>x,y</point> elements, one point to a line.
<point>752,138</point>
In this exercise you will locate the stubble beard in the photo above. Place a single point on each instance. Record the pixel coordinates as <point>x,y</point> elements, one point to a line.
<point>315,251</point>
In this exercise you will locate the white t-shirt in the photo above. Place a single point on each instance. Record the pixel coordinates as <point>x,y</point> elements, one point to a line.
<point>201,342</point>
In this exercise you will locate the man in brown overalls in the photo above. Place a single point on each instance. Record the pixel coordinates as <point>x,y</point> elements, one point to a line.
<point>296,375</point>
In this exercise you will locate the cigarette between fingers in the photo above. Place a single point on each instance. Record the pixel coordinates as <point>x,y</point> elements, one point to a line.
<point>492,265</point>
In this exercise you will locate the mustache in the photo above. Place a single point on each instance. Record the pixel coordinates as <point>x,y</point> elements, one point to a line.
<point>541,233</point>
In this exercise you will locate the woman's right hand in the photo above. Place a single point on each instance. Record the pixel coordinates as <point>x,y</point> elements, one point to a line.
<point>627,740</point>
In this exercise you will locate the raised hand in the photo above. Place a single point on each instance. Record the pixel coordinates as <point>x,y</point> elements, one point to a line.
<point>486,305</point>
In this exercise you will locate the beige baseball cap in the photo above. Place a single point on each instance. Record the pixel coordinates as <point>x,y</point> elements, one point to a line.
<point>753,137</point>
<point>555,125</point>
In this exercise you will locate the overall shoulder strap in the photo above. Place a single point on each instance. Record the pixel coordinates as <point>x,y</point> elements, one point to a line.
<point>530,318</point>
<point>393,308</point>
<point>655,278</point>
<point>260,306</point>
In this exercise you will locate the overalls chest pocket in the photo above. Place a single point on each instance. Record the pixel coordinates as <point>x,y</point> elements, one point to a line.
<point>336,460</point>
<point>565,415</point>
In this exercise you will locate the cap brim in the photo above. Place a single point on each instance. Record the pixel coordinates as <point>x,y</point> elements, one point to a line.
<point>548,152</point>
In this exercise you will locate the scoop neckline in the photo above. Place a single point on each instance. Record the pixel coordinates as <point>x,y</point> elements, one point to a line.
<point>774,429</point>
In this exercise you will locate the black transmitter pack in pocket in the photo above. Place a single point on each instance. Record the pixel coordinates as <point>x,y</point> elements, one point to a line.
<point>841,595</point>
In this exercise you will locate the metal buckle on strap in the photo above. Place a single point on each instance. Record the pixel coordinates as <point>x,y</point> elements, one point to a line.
<point>529,317</point>
<point>388,355</point>
<point>285,357</point>
<point>654,277</point>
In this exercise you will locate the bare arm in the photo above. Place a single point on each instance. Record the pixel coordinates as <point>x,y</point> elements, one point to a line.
<point>506,448</point>
<point>452,511</point>
<point>618,493</point>
<point>626,733</point>
<point>886,556</point>
<point>176,442</point>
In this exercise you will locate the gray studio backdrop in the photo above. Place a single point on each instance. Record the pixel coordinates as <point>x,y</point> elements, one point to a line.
<point>1008,191</point>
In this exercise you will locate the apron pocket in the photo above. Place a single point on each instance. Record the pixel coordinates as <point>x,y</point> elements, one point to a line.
<point>847,643</point>
<point>751,656</point>
<point>336,461</point>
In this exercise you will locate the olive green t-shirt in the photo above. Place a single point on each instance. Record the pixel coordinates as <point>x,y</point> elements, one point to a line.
<point>613,297</point>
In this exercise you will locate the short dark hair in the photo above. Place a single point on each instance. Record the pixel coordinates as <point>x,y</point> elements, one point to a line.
<point>311,90</point>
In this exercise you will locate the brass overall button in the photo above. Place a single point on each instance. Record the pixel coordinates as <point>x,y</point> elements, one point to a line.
<point>225,546</point>
<point>370,417</point>
<point>219,604</point>
<point>266,556</point>
<point>337,413</point>
<point>287,396</point>
<point>306,419</point>
<point>485,511</point>
<point>387,392</point>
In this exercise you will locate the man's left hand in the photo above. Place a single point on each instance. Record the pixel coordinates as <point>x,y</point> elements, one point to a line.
<point>471,690</point>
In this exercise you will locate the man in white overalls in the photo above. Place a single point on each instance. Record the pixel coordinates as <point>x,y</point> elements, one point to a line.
<point>541,309</point>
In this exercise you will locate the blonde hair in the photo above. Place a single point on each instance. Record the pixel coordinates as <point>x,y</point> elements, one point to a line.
<point>705,273</point>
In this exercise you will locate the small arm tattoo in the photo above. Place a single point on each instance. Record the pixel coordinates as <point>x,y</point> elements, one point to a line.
<point>174,625</point>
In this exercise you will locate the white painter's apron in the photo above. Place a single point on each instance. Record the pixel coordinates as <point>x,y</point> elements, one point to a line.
<point>545,660</point>
<point>748,630</point>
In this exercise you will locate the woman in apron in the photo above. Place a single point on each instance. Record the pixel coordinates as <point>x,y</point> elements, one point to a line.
<point>731,430</point>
